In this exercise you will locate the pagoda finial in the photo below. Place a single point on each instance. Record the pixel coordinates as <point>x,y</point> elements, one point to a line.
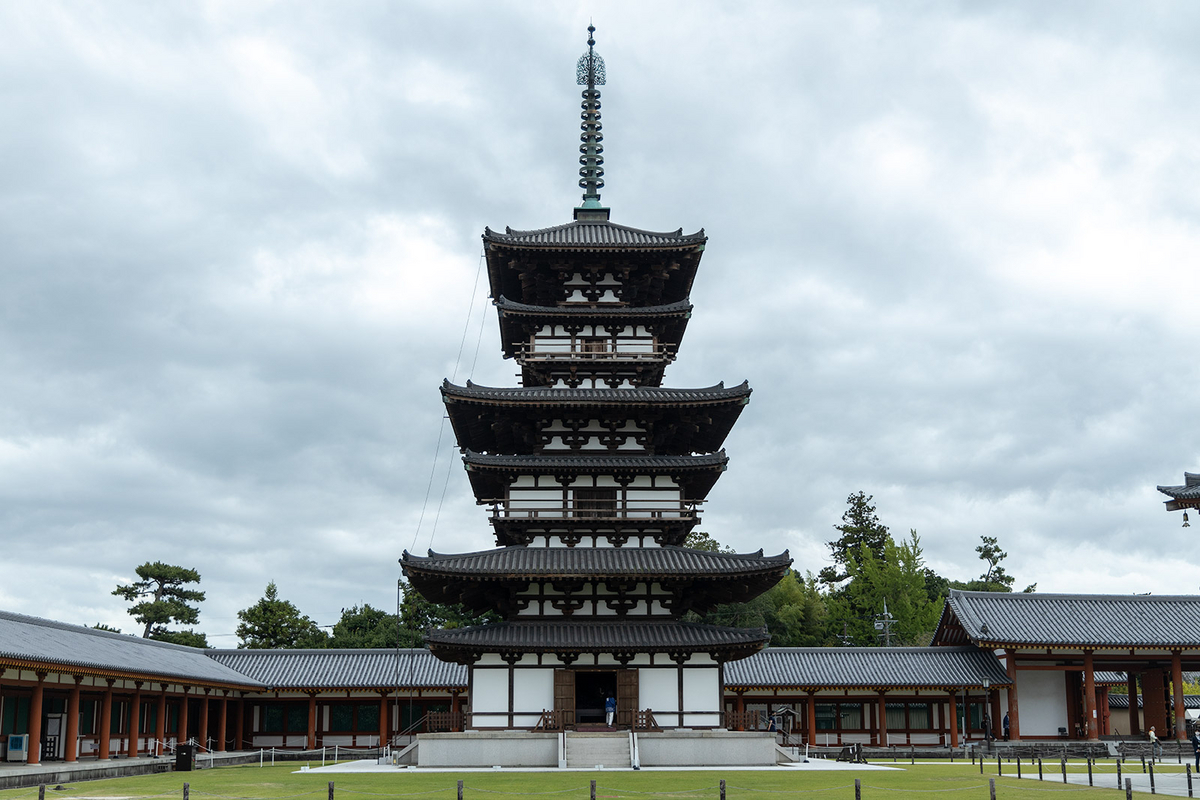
<point>589,72</point>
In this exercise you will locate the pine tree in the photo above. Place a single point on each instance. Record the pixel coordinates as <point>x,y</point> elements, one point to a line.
<point>166,601</point>
<point>272,623</point>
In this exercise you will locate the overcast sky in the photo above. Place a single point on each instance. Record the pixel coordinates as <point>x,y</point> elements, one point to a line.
<point>952,246</point>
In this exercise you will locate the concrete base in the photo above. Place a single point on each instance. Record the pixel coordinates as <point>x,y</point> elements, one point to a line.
<point>683,748</point>
<point>487,749</point>
<point>707,748</point>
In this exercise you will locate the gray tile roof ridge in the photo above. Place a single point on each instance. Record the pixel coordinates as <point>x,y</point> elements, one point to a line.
<point>124,637</point>
<point>603,394</point>
<point>958,648</point>
<point>512,233</point>
<point>286,651</point>
<point>598,460</point>
<point>680,306</point>
<point>615,552</point>
<point>1035,596</point>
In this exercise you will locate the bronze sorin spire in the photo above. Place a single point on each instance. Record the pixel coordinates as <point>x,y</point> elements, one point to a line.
<point>589,72</point>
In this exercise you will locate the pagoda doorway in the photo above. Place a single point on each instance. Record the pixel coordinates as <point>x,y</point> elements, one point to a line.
<point>592,688</point>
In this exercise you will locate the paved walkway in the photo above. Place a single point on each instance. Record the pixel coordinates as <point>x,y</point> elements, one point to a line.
<point>17,774</point>
<point>812,765</point>
<point>1169,779</point>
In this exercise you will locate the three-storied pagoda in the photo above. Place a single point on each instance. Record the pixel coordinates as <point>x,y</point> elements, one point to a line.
<point>594,474</point>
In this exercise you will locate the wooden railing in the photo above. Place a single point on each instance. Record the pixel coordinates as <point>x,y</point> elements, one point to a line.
<point>442,721</point>
<point>621,510</point>
<point>554,720</point>
<point>644,721</point>
<point>656,353</point>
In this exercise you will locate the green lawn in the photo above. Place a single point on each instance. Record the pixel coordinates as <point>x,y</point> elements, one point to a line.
<point>937,779</point>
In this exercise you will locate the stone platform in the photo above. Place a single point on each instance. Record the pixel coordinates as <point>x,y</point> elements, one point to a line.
<point>673,748</point>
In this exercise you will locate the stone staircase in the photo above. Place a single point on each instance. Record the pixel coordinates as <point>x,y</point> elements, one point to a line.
<point>588,750</point>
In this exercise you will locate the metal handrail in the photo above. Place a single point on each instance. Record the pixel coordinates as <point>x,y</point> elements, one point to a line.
<point>621,510</point>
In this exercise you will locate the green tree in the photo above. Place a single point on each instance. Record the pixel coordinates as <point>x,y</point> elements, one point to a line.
<point>796,612</point>
<point>895,578</point>
<point>860,529</point>
<point>994,578</point>
<point>365,626</point>
<point>272,623</point>
<point>699,540</point>
<point>100,626</point>
<point>159,599</point>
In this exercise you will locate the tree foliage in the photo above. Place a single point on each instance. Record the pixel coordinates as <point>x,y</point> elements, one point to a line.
<point>860,528</point>
<point>418,615</point>
<point>160,598</point>
<point>365,627</point>
<point>272,623</point>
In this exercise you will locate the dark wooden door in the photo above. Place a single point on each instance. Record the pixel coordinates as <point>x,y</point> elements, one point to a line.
<point>627,697</point>
<point>564,697</point>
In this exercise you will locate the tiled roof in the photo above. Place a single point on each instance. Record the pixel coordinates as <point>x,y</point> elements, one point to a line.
<point>599,562</point>
<point>343,669</point>
<point>597,636</point>
<point>1189,491</point>
<point>506,306</point>
<point>594,235</point>
<point>837,667</point>
<point>1122,701</point>
<point>598,397</point>
<point>32,639</point>
<point>1083,620</point>
<point>596,463</point>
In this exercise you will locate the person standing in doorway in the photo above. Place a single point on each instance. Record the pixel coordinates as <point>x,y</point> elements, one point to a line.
<point>610,709</point>
<point>1007,726</point>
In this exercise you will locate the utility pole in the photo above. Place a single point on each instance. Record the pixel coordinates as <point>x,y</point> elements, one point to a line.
<point>883,624</point>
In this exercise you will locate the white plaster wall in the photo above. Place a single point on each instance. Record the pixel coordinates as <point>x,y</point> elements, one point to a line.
<point>1042,701</point>
<point>489,692</point>
<point>533,691</point>
<point>702,690</point>
<point>658,690</point>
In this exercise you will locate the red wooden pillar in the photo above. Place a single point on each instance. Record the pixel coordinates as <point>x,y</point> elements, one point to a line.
<point>35,721</point>
<point>953,719</point>
<point>1014,718</point>
<point>312,721</point>
<point>202,728</point>
<point>384,734</point>
<point>160,721</point>
<point>1135,728</point>
<point>997,718</point>
<point>1102,700</point>
<point>883,734</point>
<point>135,721</point>
<point>222,720</point>
<point>812,718</point>
<point>1177,696</point>
<point>1089,697</point>
<point>181,725</point>
<point>106,722</point>
<point>71,739</point>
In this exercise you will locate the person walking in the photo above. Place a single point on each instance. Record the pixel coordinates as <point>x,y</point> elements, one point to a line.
<point>1008,728</point>
<point>1155,745</point>
<point>610,709</point>
<point>1196,746</point>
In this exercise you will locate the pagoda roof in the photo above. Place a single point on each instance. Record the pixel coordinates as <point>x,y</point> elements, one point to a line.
<point>540,396</point>
<point>617,636</point>
<point>867,667</point>
<point>598,562</point>
<point>595,235</point>
<point>600,311</point>
<point>696,473</point>
<point>1186,496</point>
<point>998,619</point>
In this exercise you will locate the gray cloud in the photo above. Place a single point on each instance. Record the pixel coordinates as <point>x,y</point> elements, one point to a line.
<point>952,249</point>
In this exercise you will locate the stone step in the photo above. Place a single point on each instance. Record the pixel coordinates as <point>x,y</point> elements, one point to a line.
<point>588,749</point>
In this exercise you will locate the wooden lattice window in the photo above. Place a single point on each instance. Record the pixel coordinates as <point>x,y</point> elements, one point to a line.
<point>596,502</point>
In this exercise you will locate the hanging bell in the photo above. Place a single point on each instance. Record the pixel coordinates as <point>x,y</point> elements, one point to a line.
<point>1186,524</point>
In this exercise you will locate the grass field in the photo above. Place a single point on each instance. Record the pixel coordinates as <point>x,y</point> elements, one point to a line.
<point>934,779</point>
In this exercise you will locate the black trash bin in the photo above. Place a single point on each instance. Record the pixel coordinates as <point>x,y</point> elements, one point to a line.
<point>185,758</point>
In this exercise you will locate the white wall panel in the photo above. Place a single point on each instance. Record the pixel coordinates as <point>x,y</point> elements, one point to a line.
<point>1042,701</point>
